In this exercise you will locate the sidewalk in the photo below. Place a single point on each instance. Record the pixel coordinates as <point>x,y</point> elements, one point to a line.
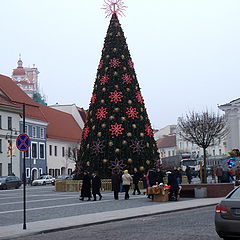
<point>12,231</point>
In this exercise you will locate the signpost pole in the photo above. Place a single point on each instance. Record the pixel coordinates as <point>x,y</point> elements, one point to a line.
<point>24,175</point>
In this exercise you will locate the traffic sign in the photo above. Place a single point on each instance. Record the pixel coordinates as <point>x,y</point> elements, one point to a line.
<point>23,142</point>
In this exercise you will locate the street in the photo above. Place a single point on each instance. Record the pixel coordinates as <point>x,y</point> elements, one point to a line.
<point>196,224</point>
<point>44,203</point>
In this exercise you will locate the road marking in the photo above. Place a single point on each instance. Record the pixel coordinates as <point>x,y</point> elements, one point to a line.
<point>42,200</point>
<point>66,205</point>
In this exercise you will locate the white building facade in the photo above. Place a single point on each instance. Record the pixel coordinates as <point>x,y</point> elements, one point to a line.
<point>232,115</point>
<point>9,130</point>
<point>61,156</point>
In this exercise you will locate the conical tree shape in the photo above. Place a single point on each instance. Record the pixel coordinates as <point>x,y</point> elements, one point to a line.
<point>117,134</point>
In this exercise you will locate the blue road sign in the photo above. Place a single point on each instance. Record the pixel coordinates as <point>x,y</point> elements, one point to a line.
<point>23,142</point>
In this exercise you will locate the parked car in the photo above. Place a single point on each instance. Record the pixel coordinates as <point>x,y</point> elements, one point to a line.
<point>62,177</point>
<point>10,182</point>
<point>43,180</point>
<point>227,216</point>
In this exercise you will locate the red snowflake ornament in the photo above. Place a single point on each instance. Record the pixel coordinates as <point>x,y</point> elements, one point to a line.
<point>130,63</point>
<point>114,62</point>
<point>139,97</point>
<point>101,113</point>
<point>116,96</point>
<point>148,130</point>
<point>132,112</point>
<point>104,79</point>
<point>127,78</point>
<point>100,64</point>
<point>93,98</point>
<point>116,129</point>
<point>86,132</point>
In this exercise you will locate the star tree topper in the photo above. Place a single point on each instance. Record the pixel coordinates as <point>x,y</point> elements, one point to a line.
<point>114,6</point>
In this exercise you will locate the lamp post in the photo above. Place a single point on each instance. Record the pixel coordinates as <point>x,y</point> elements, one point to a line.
<point>10,146</point>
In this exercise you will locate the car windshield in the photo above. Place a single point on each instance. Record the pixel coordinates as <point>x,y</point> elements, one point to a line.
<point>62,176</point>
<point>42,177</point>
<point>236,194</point>
<point>2,179</point>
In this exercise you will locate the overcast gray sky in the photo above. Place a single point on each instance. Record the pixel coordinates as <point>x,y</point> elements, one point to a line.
<point>186,52</point>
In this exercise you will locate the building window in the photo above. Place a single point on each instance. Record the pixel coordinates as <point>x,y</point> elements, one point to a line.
<point>51,172</point>
<point>220,151</point>
<point>26,129</point>
<point>69,171</point>
<point>34,132</point>
<point>40,171</point>
<point>169,153</point>
<point>9,123</point>
<point>41,150</point>
<point>173,153</point>
<point>0,169</point>
<point>1,147</point>
<point>55,150</point>
<point>50,150</point>
<point>9,169</point>
<point>28,172</point>
<point>41,132</point>
<point>0,122</point>
<point>213,152</point>
<point>34,150</point>
<point>63,152</point>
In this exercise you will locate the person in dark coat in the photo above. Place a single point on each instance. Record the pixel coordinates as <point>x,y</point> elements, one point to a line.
<point>86,187</point>
<point>116,181</point>
<point>189,174</point>
<point>159,176</point>
<point>136,178</point>
<point>174,187</point>
<point>96,186</point>
<point>152,177</point>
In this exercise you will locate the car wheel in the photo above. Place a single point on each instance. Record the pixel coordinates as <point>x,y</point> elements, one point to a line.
<point>5,187</point>
<point>17,187</point>
<point>44,183</point>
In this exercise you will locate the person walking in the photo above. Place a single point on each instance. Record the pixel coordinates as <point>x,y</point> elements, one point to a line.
<point>237,173</point>
<point>174,187</point>
<point>136,178</point>
<point>159,176</point>
<point>231,174</point>
<point>126,182</point>
<point>219,173</point>
<point>86,187</point>
<point>96,186</point>
<point>116,181</point>
<point>189,174</point>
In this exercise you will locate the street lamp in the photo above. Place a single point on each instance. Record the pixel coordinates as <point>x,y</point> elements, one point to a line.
<point>10,146</point>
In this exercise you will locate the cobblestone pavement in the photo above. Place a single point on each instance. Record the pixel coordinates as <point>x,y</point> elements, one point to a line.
<point>44,203</point>
<point>196,224</point>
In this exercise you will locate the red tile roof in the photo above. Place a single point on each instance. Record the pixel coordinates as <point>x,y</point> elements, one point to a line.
<point>61,126</point>
<point>167,141</point>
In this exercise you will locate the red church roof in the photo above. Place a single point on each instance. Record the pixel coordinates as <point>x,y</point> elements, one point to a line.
<point>19,71</point>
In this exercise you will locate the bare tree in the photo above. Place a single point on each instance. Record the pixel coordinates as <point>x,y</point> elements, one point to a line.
<point>202,129</point>
<point>71,155</point>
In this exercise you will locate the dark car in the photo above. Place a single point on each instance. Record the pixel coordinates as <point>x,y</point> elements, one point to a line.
<point>62,177</point>
<point>227,216</point>
<point>10,182</point>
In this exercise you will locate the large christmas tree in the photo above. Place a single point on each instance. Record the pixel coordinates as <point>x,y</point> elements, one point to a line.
<point>118,133</point>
